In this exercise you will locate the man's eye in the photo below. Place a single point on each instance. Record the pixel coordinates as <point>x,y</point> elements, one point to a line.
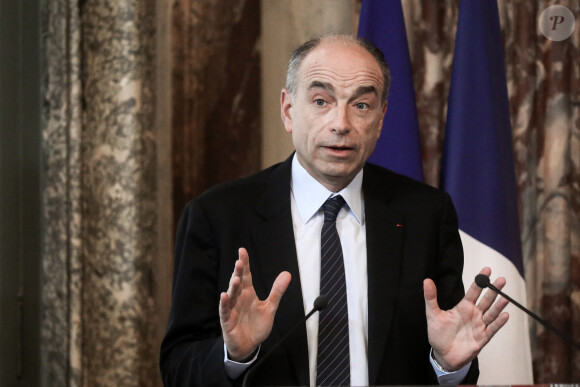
<point>362,106</point>
<point>320,102</point>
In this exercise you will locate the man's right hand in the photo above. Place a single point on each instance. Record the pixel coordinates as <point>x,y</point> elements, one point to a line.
<point>245,320</point>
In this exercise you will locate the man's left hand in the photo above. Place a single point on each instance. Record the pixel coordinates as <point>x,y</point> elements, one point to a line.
<point>459,334</point>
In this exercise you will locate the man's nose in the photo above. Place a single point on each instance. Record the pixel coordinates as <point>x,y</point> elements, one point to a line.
<point>341,123</point>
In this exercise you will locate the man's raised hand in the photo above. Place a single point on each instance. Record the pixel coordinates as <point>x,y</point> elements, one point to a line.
<point>245,320</point>
<point>459,334</point>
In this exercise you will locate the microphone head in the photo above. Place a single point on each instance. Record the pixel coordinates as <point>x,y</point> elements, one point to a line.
<point>482,281</point>
<point>320,302</point>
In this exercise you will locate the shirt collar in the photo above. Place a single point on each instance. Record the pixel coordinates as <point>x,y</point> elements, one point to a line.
<point>310,195</point>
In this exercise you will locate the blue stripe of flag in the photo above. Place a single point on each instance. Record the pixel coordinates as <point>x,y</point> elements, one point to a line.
<point>478,163</point>
<point>399,147</point>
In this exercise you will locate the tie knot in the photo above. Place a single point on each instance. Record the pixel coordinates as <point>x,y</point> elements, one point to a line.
<point>331,208</point>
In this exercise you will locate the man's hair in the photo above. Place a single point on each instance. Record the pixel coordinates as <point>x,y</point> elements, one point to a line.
<point>301,52</point>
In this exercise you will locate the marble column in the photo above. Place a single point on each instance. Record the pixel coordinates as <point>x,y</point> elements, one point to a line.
<point>99,311</point>
<point>61,261</point>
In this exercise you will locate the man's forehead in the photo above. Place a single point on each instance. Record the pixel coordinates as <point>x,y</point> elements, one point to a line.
<point>342,62</point>
<point>360,88</point>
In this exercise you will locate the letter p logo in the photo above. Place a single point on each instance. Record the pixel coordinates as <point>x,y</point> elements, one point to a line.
<point>556,22</point>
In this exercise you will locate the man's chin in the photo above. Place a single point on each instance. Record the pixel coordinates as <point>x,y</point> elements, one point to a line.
<point>341,174</point>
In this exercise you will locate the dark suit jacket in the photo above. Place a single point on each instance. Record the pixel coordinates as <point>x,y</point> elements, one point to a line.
<point>411,235</point>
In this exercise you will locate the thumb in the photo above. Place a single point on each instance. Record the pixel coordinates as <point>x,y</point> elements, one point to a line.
<point>280,285</point>
<point>430,294</point>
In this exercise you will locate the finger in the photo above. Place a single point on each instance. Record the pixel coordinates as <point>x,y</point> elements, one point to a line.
<point>496,325</point>
<point>489,297</point>
<point>474,291</point>
<point>494,311</point>
<point>430,294</point>
<point>224,307</point>
<point>247,274</point>
<point>244,257</point>
<point>278,288</point>
<point>235,285</point>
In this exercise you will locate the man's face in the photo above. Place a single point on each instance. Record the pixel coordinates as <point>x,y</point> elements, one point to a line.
<point>336,113</point>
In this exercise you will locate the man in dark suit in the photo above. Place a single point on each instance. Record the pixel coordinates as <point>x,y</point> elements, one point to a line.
<point>400,262</point>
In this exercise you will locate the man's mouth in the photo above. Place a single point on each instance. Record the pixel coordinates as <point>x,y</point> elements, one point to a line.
<point>339,151</point>
<point>339,148</point>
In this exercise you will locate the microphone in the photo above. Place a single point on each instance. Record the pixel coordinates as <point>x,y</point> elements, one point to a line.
<point>483,282</point>
<point>319,303</point>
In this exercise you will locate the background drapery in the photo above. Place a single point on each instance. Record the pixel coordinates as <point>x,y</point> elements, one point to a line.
<point>121,77</point>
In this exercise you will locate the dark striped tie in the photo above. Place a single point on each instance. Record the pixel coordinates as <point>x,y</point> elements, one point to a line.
<point>333,350</point>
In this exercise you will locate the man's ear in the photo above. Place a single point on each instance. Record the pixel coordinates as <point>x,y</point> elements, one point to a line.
<point>286,109</point>
<point>383,112</point>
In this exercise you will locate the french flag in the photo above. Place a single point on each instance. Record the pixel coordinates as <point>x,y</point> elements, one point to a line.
<point>478,172</point>
<point>399,147</point>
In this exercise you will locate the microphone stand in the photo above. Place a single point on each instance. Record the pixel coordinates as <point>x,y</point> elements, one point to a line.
<point>319,303</point>
<point>483,281</point>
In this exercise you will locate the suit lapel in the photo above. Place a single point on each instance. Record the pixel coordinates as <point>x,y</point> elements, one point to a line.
<point>275,252</point>
<point>385,229</point>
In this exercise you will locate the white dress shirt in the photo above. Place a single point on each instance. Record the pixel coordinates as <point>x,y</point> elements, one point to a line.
<point>307,198</point>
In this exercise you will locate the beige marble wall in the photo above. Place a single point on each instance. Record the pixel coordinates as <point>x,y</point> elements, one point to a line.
<point>285,25</point>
